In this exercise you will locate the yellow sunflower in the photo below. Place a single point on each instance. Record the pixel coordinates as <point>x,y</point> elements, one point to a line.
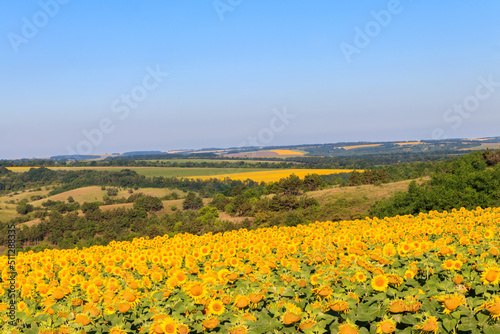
<point>380,283</point>
<point>492,306</point>
<point>348,328</point>
<point>339,305</point>
<point>386,326</point>
<point>448,265</point>
<point>451,302</point>
<point>491,275</point>
<point>216,307</point>
<point>196,290</point>
<point>360,276</point>
<point>429,325</point>
<point>168,325</point>
<point>409,274</point>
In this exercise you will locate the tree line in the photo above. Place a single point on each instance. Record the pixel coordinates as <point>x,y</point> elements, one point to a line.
<point>469,181</point>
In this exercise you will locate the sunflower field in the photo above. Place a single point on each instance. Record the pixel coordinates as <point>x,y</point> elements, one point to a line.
<point>431,273</point>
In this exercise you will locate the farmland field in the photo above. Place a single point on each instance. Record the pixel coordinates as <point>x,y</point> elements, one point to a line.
<point>409,143</point>
<point>181,160</point>
<point>430,273</point>
<point>287,152</point>
<point>160,171</point>
<point>256,174</point>
<point>360,146</point>
<point>483,146</point>
<point>20,169</point>
<point>267,154</point>
<point>275,175</point>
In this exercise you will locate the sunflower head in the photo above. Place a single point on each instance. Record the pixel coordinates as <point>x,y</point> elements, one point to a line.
<point>323,291</point>
<point>339,305</point>
<point>210,323</point>
<point>397,306</point>
<point>491,275</point>
<point>492,307</point>
<point>216,307</point>
<point>196,290</point>
<point>380,282</point>
<point>238,330</point>
<point>360,276</point>
<point>451,302</point>
<point>394,279</point>
<point>386,326</point>
<point>290,318</point>
<point>348,328</point>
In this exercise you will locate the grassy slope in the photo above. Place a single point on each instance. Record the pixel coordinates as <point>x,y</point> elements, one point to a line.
<point>8,211</point>
<point>81,195</point>
<point>372,192</point>
<point>95,193</point>
<point>354,202</point>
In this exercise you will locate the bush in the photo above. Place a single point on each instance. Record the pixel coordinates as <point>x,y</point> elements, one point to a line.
<point>287,202</point>
<point>294,218</point>
<point>35,197</point>
<point>88,207</point>
<point>24,208</point>
<point>192,202</point>
<point>112,192</point>
<point>148,203</point>
<point>220,201</point>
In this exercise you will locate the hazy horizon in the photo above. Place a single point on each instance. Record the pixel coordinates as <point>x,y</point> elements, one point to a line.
<point>94,78</point>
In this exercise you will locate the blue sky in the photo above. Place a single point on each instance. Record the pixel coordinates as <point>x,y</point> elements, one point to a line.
<point>67,66</point>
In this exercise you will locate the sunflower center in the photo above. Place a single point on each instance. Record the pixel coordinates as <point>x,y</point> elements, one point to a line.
<point>196,290</point>
<point>169,328</point>
<point>491,275</point>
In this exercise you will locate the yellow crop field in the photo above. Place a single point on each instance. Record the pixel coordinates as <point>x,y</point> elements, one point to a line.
<point>20,169</point>
<point>479,139</point>
<point>287,152</point>
<point>430,273</point>
<point>275,175</point>
<point>409,143</point>
<point>360,146</point>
